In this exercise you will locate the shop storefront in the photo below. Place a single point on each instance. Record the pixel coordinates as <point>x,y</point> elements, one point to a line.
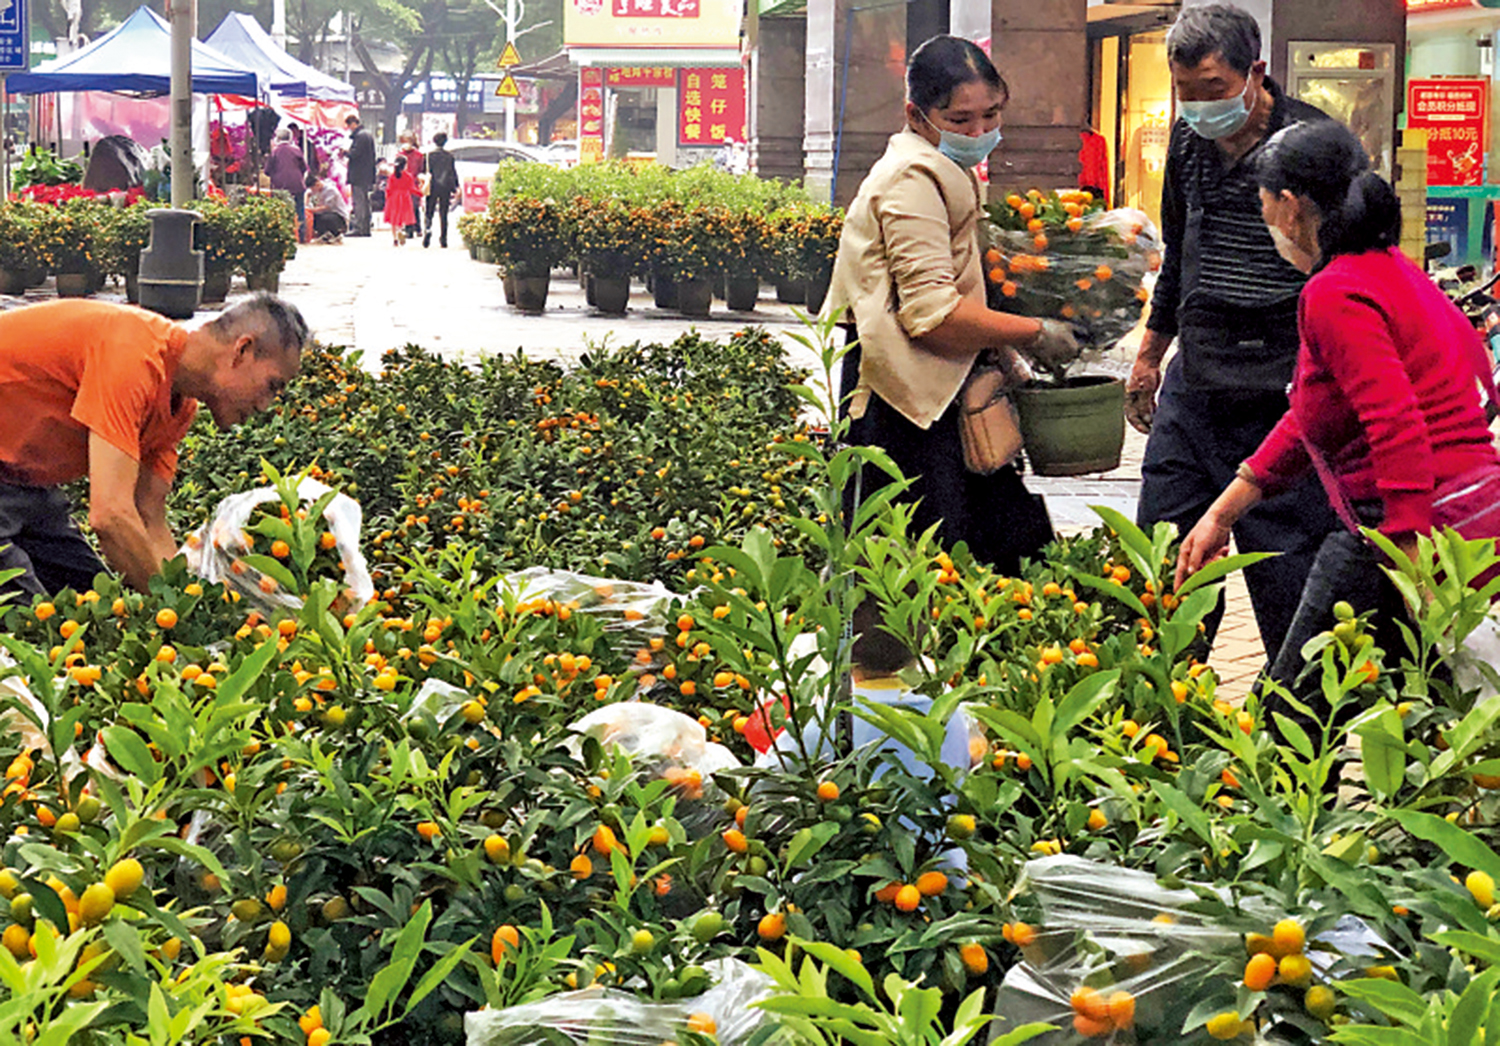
<point>657,78</point>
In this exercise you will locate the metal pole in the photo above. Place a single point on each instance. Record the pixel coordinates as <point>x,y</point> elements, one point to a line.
<point>184,28</point>
<point>4,141</point>
<point>510,103</point>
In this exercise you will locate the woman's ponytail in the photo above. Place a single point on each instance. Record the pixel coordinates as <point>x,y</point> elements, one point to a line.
<point>1367,219</point>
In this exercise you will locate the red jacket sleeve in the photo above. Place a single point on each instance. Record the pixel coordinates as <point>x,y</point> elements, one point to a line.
<point>1281,459</point>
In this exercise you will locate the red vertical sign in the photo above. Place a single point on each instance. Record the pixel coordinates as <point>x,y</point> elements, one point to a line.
<point>1455,115</point>
<point>710,106</point>
<point>590,115</point>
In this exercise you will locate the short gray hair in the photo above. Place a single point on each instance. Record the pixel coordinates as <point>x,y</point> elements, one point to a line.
<point>284,134</point>
<point>265,313</point>
<point>1214,29</point>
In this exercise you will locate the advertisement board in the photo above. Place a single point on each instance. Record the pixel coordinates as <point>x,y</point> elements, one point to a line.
<point>1455,115</point>
<point>15,37</point>
<point>710,106</point>
<point>651,23</point>
<point>590,115</point>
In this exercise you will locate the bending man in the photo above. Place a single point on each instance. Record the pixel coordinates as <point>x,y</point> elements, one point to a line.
<point>109,392</point>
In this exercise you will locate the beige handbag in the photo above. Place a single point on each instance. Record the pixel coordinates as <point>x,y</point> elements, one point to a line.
<point>988,425</point>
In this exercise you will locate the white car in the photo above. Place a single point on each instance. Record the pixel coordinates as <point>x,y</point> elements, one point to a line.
<point>475,160</point>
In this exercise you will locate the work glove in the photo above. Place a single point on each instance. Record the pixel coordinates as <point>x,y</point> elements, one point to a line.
<point>1055,346</point>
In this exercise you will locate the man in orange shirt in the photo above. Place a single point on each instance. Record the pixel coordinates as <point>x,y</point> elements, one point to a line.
<point>108,391</point>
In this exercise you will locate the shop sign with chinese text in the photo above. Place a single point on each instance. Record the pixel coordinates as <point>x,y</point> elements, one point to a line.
<point>590,114</point>
<point>1455,115</point>
<point>641,76</point>
<point>652,23</point>
<point>710,106</point>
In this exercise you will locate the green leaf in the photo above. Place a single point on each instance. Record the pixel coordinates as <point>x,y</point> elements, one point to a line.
<point>130,753</point>
<point>1192,816</point>
<point>1391,998</point>
<point>438,974</point>
<point>840,962</point>
<point>1459,846</point>
<point>1467,1015</point>
<point>275,569</point>
<point>1082,701</point>
<point>806,842</point>
<point>1486,949</point>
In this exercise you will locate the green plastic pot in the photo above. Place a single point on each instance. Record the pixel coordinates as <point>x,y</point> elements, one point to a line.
<point>1073,428</point>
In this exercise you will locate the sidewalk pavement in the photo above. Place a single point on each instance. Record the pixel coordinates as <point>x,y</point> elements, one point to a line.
<point>371,295</point>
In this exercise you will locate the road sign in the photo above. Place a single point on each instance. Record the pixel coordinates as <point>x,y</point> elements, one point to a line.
<point>15,38</point>
<point>508,88</point>
<point>510,56</point>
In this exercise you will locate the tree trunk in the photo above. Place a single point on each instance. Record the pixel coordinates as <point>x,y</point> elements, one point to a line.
<point>556,110</point>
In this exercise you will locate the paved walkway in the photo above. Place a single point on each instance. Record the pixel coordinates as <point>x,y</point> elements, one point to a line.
<point>374,296</point>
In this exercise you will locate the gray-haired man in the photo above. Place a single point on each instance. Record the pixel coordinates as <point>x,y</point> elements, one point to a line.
<point>1230,301</point>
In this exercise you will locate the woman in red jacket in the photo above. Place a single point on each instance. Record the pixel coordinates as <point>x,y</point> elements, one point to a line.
<point>1385,403</point>
<point>398,194</point>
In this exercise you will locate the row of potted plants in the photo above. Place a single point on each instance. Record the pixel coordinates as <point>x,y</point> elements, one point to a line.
<point>85,239</point>
<point>684,231</point>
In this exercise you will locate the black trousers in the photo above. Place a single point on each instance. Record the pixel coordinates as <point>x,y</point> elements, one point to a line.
<point>996,516</point>
<point>38,537</point>
<point>437,205</point>
<point>1197,441</point>
<point>325,222</point>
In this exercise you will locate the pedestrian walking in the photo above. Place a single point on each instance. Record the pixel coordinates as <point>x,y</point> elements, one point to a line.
<point>399,190</point>
<point>415,168</point>
<point>361,175</point>
<point>1230,301</point>
<point>442,184</point>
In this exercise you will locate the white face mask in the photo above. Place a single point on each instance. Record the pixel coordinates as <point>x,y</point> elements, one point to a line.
<point>1287,247</point>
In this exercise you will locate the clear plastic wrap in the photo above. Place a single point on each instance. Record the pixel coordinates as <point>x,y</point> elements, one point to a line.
<point>607,1017</point>
<point>633,609</point>
<point>667,744</point>
<point>1088,268</point>
<point>1109,953</point>
<point>215,551</point>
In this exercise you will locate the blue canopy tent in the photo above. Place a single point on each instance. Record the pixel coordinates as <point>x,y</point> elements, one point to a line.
<point>135,57</point>
<point>240,38</point>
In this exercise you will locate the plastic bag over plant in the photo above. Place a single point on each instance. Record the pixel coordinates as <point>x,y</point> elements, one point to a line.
<point>1107,950</point>
<point>633,609</point>
<point>604,1015</point>
<point>1053,257</point>
<point>664,743</point>
<point>223,549</point>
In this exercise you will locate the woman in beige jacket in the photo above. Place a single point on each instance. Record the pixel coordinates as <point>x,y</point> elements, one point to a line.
<point>908,270</point>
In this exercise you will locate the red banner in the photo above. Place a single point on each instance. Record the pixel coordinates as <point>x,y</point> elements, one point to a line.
<point>641,76</point>
<point>1455,115</point>
<point>590,115</point>
<point>710,106</point>
<point>1437,5</point>
<point>654,8</point>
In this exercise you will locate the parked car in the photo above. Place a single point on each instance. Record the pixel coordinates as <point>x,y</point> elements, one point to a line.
<point>562,153</point>
<point>475,160</point>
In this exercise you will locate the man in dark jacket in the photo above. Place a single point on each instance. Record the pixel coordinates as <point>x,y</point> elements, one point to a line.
<point>440,190</point>
<point>1230,301</point>
<point>361,174</point>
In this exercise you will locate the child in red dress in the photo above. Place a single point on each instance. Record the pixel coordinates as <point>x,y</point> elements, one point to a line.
<point>398,193</point>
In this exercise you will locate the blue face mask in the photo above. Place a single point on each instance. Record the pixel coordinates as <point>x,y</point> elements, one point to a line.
<point>1217,119</point>
<point>963,150</point>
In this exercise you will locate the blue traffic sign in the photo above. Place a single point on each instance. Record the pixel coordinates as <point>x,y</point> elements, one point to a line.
<point>15,37</point>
